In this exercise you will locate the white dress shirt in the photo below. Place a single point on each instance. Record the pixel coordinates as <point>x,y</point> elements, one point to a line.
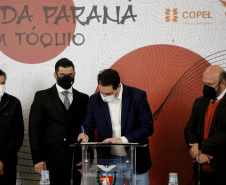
<point>62,97</point>
<point>115,109</point>
<point>221,95</point>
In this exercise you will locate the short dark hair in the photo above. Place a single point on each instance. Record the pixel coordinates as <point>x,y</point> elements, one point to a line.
<point>63,62</point>
<point>108,77</point>
<point>222,76</point>
<point>2,73</point>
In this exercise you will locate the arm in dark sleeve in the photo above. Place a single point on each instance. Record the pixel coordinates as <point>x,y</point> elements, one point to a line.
<point>89,123</point>
<point>190,129</point>
<point>212,144</point>
<point>145,127</point>
<point>16,140</point>
<point>35,120</point>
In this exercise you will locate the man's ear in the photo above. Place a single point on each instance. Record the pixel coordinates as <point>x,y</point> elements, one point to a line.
<point>119,86</point>
<point>55,76</point>
<point>224,82</point>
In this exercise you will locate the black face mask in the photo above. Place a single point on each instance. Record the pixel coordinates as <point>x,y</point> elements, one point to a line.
<point>65,82</point>
<point>209,92</point>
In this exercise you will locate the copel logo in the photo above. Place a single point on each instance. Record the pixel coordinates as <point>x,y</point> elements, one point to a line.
<point>174,14</point>
<point>186,15</point>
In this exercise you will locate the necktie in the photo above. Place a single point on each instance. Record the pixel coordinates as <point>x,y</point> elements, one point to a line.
<point>66,100</point>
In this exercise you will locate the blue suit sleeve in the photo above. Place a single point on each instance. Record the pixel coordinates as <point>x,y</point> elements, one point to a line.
<point>89,123</point>
<point>144,124</point>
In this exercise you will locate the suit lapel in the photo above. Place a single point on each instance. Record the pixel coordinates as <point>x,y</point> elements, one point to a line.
<point>216,114</point>
<point>58,103</point>
<point>75,105</point>
<point>4,102</point>
<point>124,112</point>
<point>125,106</point>
<point>203,109</point>
<point>105,109</point>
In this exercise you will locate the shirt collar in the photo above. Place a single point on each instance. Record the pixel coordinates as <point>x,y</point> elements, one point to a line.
<point>60,89</point>
<point>221,95</point>
<point>120,93</point>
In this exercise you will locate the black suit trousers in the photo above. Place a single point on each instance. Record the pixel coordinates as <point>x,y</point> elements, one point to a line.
<point>211,178</point>
<point>9,176</point>
<point>62,174</point>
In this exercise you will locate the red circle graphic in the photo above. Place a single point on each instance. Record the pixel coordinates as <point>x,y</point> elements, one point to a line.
<point>24,37</point>
<point>172,78</point>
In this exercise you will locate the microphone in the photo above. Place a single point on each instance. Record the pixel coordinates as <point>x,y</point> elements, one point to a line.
<point>199,167</point>
<point>79,142</point>
<point>72,165</point>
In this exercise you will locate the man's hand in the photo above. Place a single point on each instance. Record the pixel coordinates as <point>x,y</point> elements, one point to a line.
<point>203,158</point>
<point>113,140</point>
<point>84,138</point>
<point>40,166</point>
<point>1,168</point>
<point>194,151</point>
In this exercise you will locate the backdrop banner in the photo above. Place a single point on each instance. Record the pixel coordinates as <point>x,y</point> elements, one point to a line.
<point>160,46</point>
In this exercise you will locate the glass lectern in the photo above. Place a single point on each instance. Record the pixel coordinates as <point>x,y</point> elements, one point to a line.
<point>109,164</point>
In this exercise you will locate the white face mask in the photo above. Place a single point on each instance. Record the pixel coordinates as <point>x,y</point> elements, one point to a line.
<point>2,90</point>
<point>108,99</point>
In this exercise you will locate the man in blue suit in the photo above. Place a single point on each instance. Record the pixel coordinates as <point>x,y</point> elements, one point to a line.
<point>121,114</point>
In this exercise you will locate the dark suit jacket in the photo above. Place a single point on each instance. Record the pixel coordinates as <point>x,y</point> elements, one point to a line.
<point>136,122</point>
<point>215,144</point>
<point>11,128</point>
<point>52,128</point>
